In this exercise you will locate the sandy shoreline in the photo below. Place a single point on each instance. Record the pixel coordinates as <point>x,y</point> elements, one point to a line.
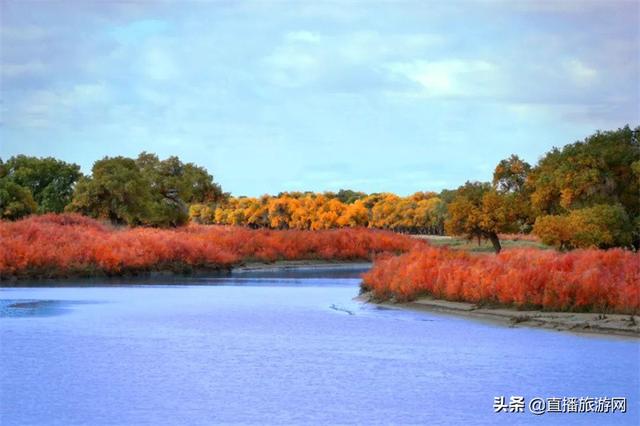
<point>583,323</point>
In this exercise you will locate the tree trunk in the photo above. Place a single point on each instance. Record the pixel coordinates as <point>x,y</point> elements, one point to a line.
<point>495,241</point>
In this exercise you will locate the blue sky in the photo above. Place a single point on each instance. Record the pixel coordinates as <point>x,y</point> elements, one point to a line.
<point>269,96</point>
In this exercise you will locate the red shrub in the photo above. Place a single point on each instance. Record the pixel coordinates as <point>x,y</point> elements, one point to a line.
<point>65,245</point>
<point>581,280</point>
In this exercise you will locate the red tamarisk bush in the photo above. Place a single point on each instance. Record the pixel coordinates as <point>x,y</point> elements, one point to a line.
<point>581,280</point>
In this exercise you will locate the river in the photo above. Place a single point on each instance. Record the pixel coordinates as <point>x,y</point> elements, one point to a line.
<point>283,348</point>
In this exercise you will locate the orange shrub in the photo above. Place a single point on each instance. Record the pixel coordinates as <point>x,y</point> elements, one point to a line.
<point>582,280</point>
<point>69,245</point>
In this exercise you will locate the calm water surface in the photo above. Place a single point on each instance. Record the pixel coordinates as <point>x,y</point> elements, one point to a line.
<point>275,348</point>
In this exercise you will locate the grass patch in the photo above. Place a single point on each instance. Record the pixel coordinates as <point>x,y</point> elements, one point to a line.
<point>485,246</point>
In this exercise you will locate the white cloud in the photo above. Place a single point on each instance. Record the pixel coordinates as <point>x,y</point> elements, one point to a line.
<point>452,77</point>
<point>580,73</point>
<point>45,108</point>
<point>305,57</point>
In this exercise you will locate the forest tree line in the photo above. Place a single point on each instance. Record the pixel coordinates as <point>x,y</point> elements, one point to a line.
<point>145,191</point>
<point>586,194</point>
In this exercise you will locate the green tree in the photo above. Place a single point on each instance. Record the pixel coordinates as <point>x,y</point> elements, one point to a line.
<point>116,190</point>
<point>348,196</point>
<point>510,175</point>
<point>635,238</point>
<point>174,185</point>
<point>192,183</point>
<point>15,201</point>
<point>601,226</point>
<point>596,184</point>
<point>597,170</point>
<point>509,178</point>
<point>50,181</point>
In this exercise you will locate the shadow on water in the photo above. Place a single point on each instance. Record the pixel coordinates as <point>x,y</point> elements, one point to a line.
<point>18,308</point>
<point>354,270</point>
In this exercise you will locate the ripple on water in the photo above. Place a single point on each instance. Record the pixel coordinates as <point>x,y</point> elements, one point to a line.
<point>17,308</point>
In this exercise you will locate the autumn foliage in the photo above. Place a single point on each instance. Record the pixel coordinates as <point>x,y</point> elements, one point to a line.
<point>582,280</point>
<point>601,226</point>
<point>422,212</point>
<point>70,245</point>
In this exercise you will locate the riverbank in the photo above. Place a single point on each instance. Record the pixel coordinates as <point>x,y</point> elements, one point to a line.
<point>578,281</point>
<point>72,246</point>
<point>165,275</point>
<point>589,323</point>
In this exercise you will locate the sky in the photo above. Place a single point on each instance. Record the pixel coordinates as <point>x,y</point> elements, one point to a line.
<point>270,96</point>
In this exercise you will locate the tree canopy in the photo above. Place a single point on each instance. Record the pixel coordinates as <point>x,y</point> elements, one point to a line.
<point>144,191</point>
<point>417,213</point>
<point>598,170</point>
<point>595,183</point>
<point>116,191</point>
<point>15,201</point>
<point>480,211</point>
<point>601,226</point>
<point>35,185</point>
